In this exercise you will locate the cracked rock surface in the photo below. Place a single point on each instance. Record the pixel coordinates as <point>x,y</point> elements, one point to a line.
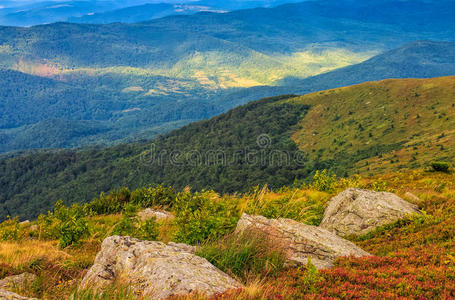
<point>12,296</point>
<point>301,242</point>
<point>357,211</point>
<point>17,280</point>
<point>155,270</point>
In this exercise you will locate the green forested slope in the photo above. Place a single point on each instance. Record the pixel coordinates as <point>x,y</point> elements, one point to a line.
<point>121,82</point>
<point>32,183</point>
<point>387,125</point>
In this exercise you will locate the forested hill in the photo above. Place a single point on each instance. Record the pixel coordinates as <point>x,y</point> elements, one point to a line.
<point>116,83</point>
<point>39,112</point>
<point>371,127</point>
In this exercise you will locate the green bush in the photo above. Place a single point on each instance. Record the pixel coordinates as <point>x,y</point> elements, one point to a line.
<point>203,215</point>
<point>248,253</point>
<point>72,231</point>
<point>439,166</point>
<point>154,196</point>
<point>67,224</point>
<point>147,230</point>
<point>310,278</point>
<point>324,182</point>
<point>112,203</point>
<point>11,230</point>
<point>130,226</point>
<point>306,210</point>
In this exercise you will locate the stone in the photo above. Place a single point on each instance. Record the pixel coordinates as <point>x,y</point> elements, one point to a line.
<point>301,242</point>
<point>12,296</point>
<point>357,212</point>
<point>154,270</point>
<point>149,213</point>
<point>17,281</point>
<point>25,223</point>
<point>182,247</point>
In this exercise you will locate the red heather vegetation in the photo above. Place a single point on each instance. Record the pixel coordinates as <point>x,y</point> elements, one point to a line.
<point>413,258</point>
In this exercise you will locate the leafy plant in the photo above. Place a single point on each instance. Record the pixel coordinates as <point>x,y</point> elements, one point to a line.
<point>324,182</point>
<point>154,196</point>
<point>204,215</point>
<point>67,224</point>
<point>131,226</point>
<point>245,254</point>
<point>10,230</point>
<point>439,166</point>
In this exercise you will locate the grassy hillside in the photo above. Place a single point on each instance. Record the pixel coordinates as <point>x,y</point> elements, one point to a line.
<point>412,258</point>
<point>368,128</point>
<point>414,118</point>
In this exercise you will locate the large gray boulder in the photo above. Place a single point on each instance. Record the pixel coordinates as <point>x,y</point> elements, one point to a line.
<point>14,281</point>
<point>301,242</point>
<point>149,213</point>
<point>12,296</point>
<point>154,270</point>
<point>357,212</point>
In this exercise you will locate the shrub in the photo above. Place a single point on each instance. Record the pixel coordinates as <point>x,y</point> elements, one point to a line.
<point>309,279</point>
<point>290,203</point>
<point>67,224</point>
<point>204,215</point>
<point>147,230</point>
<point>10,230</point>
<point>154,196</point>
<point>439,166</point>
<point>324,182</point>
<point>112,203</point>
<point>130,226</point>
<point>244,254</point>
<point>72,231</point>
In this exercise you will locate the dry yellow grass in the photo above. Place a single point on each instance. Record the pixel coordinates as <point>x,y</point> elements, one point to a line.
<point>20,253</point>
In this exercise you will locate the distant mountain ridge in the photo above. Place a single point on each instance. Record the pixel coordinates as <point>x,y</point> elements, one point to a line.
<point>31,13</point>
<point>126,82</point>
<point>102,116</point>
<point>419,59</point>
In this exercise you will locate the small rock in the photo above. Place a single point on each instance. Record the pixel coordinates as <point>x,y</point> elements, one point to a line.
<point>24,223</point>
<point>154,270</point>
<point>34,228</point>
<point>17,281</point>
<point>149,213</point>
<point>12,296</point>
<point>357,212</point>
<point>301,242</point>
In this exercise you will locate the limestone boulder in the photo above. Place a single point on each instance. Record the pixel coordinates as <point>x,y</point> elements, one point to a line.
<point>154,270</point>
<point>301,242</point>
<point>4,294</point>
<point>14,281</point>
<point>149,213</point>
<point>357,211</point>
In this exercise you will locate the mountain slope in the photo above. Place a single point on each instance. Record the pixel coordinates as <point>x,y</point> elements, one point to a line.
<point>25,13</point>
<point>139,80</point>
<point>111,107</point>
<point>392,124</point>
<point>419,59</point>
